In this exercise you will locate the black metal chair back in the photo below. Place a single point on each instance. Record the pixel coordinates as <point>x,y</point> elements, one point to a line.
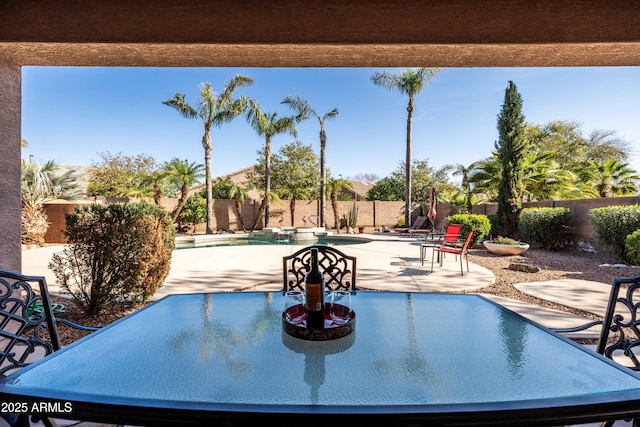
<point>620,334</point>
<point>26,334</point>
<point>339,269</point>
<point>621,322</point>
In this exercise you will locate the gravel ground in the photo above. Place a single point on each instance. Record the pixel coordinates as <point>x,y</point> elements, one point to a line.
<point>553,265</point>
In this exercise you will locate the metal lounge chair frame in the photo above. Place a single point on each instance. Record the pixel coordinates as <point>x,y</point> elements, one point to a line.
<point>338,268</point>
<point>24,316</point>
<point>450,238</point>
<point>620,322</point>
<point>417,225</point>
<point>463,252</point>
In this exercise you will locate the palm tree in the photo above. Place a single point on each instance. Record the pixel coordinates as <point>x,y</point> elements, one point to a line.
<point>39,184</point>
<point>468,191</point>
<point>183,174</point>
<point>239,194</point>
<point>486,177</point>
<point>543,178</point>
<point>334,187</point>
<point>302,107</point>
<point>154,184</point>
<point>610,178</point>
<point>409,82</point>
<point>268,125</point>
<point>213,110</point>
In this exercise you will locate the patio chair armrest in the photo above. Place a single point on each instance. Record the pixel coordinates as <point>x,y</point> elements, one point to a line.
<point>578,328</point>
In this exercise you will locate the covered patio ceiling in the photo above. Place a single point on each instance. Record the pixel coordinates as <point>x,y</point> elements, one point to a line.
<point>292,33</point>
<point>320,33</point>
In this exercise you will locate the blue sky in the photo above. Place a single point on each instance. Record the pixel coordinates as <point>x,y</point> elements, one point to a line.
<point>70,114</point>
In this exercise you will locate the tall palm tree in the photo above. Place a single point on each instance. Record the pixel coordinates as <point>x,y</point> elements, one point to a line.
<point>184,175</point>
<point>334,187</point>
<point>409,82</point>
<point>269,125</point>
<point>610,178</point>
<point>239,194</point>
<point>213,110</point>
<point>302,107</point>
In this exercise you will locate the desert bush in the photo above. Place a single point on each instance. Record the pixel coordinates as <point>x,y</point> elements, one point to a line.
<point>544,225</point>
<point>632,246</point>
<point>114,251</point>
<point>612,225</point>
<point>477,222</point>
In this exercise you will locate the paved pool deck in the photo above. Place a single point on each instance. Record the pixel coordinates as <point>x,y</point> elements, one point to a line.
<point>389,262</point>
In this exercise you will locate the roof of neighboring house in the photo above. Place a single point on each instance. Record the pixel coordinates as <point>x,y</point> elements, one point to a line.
<point>237,177</point>
<point>361,188</point>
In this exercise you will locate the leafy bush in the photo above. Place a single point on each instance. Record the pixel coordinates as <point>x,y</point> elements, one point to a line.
<point>114,251</point>
<point>543,225</point>
<point>194,211</point>
<point>612,225</point>
<point>477,222</point>
<point>632,246</point>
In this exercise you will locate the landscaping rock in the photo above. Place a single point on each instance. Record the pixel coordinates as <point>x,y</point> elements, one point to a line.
<point>518,266</point>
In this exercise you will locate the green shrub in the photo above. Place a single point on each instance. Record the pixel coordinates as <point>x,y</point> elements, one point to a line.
<point>114,251</point>
<point>543,225</point>
<point>194,211</point>
<point>612,225</point>
<point>477,222</point>
<point>632,246</point>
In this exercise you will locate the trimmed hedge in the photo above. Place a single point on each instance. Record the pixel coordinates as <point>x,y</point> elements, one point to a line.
<point>632,246</point>
<point>612,225</point>
<point>544,225</point>
<point>478,222</point>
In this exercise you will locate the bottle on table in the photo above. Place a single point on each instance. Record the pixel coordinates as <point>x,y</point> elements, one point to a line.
<point>314,290</point>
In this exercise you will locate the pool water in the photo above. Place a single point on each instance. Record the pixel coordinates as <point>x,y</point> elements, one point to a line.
<point>248,241</point>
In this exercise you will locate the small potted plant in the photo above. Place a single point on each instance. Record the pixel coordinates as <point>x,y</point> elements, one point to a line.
<point>361,229</point>
<point>505,246</point>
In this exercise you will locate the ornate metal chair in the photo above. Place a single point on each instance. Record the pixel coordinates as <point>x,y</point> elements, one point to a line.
<point>620,333</point>
<point>26,335</point>
<point>339,269</point>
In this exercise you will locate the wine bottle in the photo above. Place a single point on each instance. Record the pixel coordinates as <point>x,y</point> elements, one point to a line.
<point>314,290</point>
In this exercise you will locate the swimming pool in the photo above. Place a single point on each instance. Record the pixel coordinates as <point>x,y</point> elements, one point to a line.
<point>190,242</point>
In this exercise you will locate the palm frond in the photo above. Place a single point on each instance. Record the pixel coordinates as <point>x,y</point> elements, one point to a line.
<point>178,102</point>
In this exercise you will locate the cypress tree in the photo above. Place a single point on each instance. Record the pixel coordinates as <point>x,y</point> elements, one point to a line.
<point>511,148</point>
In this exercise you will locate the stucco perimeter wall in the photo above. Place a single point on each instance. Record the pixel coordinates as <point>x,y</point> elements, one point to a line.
<point>370,214</point>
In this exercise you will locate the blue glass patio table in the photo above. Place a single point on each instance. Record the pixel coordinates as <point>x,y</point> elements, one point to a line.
<point>414,359</point>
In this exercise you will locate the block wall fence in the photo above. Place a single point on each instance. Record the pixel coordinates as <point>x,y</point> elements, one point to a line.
<point>371,215</point>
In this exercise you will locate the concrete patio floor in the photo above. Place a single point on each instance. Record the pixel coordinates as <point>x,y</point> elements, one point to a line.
<point>389,262</point>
